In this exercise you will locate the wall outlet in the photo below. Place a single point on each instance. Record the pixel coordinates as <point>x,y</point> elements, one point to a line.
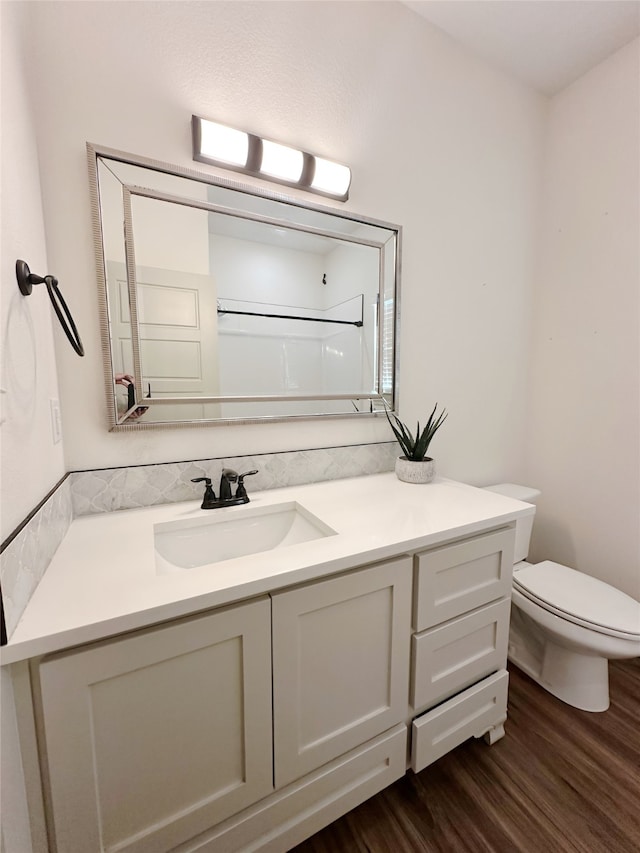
<point>56,421</point>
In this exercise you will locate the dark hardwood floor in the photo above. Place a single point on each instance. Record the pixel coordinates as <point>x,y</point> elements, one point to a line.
<point>560,781</point>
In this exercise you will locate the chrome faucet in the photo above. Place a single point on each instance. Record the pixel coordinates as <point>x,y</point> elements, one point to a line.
<point>226,498</point>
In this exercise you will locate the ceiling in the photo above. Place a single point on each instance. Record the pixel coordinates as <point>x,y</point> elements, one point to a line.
<point>545,43</point>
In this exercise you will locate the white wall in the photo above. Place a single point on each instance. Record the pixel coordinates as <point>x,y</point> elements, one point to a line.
<point>437,141</point>
<point>584,443</point>
<point>258,272</point>
<point>352,274</point>
<point>31,463</point>
<point>167,236</point>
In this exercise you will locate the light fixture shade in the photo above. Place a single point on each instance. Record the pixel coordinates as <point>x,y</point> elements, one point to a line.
<point>224,146</point>
<point>331,178</point>
<point>280,161</point>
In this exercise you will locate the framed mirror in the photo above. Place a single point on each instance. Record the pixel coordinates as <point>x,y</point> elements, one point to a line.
<point>223,303</point>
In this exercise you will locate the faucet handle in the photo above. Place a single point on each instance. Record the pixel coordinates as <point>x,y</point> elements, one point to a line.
<point>241,492</point>
<point>209,494</point>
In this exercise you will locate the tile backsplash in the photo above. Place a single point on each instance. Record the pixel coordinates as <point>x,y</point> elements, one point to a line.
<point>147,485</point>
<point>25,559</point>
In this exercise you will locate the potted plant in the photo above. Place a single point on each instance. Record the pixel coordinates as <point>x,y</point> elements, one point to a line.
<point>414,466</point>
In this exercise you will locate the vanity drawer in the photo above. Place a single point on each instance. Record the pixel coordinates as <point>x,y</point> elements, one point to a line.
<point>469,714</point>
<point>460,577</point>
<point>284,819</point>
<point>450,657</point>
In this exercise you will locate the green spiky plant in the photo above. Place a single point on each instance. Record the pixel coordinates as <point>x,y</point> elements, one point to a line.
<point>415,448</point>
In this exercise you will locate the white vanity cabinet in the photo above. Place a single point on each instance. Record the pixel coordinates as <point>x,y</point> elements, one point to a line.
<point>254,725</point>
<point>462,601</point>
<point>154,737</point>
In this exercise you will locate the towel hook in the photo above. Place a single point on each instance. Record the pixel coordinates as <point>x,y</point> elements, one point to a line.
<point>26,280</point>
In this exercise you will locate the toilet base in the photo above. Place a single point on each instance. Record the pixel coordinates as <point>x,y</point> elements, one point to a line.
<point>579,679</point>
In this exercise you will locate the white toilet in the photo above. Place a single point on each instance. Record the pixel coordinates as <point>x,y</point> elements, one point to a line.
<point>566,625</point>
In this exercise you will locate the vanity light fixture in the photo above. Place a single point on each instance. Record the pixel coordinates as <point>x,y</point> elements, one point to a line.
<point>224,146</point>
<point>327,175</point>
<point>280,161</point>
<point>224,143</point>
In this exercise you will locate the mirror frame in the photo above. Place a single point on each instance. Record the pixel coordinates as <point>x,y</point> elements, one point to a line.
<point>95,153</point>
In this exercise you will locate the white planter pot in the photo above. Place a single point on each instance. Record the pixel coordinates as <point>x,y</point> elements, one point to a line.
<point>415,472</point>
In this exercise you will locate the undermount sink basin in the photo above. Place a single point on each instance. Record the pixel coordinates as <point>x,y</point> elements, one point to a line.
<point>249,530</point>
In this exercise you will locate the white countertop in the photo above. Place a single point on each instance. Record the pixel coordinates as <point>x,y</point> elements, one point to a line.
<point>103,578</point>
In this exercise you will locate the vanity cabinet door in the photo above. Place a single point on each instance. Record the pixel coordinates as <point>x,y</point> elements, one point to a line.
<point>153,738</point>
<point>340,664</point>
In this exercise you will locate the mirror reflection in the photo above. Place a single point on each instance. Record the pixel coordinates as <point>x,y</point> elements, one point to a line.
<point>226,304</point>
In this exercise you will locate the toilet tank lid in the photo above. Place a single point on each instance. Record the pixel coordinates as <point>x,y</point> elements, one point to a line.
<point>511,490</point>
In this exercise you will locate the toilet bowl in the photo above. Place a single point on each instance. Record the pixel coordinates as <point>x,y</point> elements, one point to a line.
<point>566,625</point>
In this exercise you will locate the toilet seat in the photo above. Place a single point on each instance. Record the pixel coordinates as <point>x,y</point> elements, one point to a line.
<point>580,598</point>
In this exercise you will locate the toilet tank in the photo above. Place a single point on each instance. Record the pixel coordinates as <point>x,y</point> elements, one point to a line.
<point>524,526</point>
